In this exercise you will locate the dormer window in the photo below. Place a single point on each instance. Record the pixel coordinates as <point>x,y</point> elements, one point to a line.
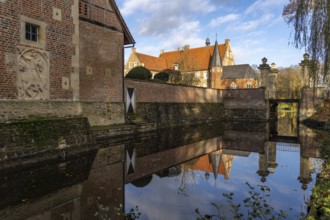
<point>31,32</point>
<point>233,85</point>
<point>176,66</point>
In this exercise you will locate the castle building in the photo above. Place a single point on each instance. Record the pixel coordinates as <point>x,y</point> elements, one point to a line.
<point>68,50</point>
<point>54,52</point>
<point>214,66</point>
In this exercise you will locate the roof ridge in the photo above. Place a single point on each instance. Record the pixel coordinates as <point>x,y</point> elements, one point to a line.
<point>194,48</point>
<point>146,55</point>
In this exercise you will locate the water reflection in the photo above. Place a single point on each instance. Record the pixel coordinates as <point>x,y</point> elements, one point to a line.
<point>166,174</point>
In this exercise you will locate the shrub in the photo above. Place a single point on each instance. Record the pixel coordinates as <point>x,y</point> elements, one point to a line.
<point>163,76</point>
<point>139,72</point>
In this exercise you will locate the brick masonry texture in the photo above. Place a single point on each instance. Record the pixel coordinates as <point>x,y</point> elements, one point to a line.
<point>169,93</point>
<point>58,43</point>
<point>98,34</point>
<point>104,58</point>
<point>169,114</point>
<point>166,104</point>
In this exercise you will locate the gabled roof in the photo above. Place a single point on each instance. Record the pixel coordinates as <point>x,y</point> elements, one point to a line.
<point>199,58</point>
<point>128,38</point>
<point>242,71</point>
<point>151,62</point>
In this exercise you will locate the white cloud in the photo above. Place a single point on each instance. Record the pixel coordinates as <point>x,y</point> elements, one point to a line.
<point>223,19</point>
<point>160,6</point>
<point>264,5</point>
<point>252,24</point>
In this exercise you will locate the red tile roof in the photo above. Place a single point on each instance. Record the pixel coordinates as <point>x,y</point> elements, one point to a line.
<point>196,58</point>
<point>152,63</point>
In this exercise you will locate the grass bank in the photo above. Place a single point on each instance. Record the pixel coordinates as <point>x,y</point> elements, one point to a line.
<point>320,200</point>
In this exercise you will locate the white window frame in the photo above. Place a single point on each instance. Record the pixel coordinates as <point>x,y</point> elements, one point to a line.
<point>233,85</point>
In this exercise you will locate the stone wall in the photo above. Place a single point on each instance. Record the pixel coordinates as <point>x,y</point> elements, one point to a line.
<point>167,114</point>
<point>26,138</point>
<point>98,113</point>
<point>310,101</point>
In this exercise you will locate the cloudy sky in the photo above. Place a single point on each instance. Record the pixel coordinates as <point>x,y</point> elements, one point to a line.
<point>255,28</point>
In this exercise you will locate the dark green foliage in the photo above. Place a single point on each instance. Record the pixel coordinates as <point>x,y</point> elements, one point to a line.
<point>256,204</point>
<point>139,72</point>
<point>163,76</point>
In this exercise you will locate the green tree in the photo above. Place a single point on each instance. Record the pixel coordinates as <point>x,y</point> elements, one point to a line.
<point>311,25</point>
<point>139,72</point>
<point>162,76</point>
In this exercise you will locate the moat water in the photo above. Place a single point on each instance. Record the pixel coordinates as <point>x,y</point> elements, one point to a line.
<point>222,170</point>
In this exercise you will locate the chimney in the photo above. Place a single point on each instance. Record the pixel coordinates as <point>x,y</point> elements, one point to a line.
<point>186,47</point>
<point>161,52</point>
<point>133,50</point>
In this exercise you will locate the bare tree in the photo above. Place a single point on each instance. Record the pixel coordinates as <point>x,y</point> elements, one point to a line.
<point>311,25</point>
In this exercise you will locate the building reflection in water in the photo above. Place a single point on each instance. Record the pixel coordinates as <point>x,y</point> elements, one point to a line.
<point>93,185</point>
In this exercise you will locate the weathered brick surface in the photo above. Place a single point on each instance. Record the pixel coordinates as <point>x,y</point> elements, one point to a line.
<point>58,43</point>
<point>169,93</point>
<point>103,57</point>
<point>167,104</point>
<point>167,114</point>
<point>99,36</point>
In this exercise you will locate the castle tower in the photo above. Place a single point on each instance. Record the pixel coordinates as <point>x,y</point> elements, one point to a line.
<point>215,68</point>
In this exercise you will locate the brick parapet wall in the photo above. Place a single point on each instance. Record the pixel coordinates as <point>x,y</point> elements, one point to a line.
<point>170,93</point>
<point>168,104</point>
<point>150,92</point>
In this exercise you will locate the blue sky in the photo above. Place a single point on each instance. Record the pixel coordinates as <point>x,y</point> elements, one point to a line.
<point>255,28</point>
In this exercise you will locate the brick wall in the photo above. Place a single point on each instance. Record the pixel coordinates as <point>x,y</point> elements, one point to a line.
<point>170,93</point>
<point>241,83</point>
<point>168,104</point>
<point>101,52</point>
<point>58,38</point>
<point>101,63</point>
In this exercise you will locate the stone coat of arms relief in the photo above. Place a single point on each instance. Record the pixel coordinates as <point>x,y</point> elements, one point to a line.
<point>32,74</point>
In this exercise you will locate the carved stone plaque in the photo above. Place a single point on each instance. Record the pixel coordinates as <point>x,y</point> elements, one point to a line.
<point>32,74</point>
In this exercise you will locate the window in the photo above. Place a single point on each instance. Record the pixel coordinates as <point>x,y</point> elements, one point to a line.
<point>248,85</point>
<point>233,85</point>
<point>130,64</point>
<point>135,63</point>
<point>198,74</point>
<point>31,32</point>
<point>176,66</point>
<point>205,75</point>
<point>83,9</point>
